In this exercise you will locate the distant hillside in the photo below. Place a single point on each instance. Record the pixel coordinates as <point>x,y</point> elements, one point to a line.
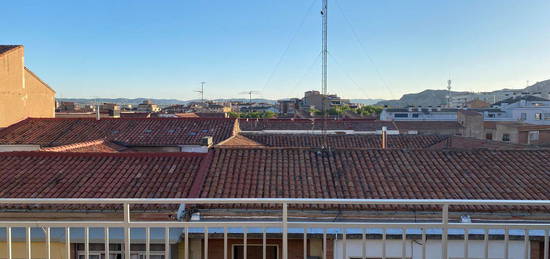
<point>133,101</point>
<point>543,86</point>
<point>424,98</point>
<point>366,101</point>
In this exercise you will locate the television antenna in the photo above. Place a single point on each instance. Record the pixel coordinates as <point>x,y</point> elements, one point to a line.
<point>201,91</point>
<point>250,93</point>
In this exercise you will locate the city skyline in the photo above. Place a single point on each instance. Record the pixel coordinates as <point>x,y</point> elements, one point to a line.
<point>377,49</point>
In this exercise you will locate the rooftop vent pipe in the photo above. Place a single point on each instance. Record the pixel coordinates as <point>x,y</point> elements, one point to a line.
<point>384,137</point>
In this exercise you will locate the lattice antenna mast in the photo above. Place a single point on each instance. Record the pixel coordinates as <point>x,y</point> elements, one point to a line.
<point>201,91</point>
<point>324,88</point>
<point>449,97</point>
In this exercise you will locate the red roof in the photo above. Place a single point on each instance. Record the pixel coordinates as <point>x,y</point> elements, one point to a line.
<point>459,142</point>
<point>314,124</point>
<point>280,172</point>
<point>427,125</point>
<point>378,174</point>
<point>338,141</point>
<point>89,146</point>
<point>130,131</point>
<point>97,175</point>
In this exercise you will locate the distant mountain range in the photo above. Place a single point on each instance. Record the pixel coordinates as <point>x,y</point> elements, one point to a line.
<point>438,97</point>
<point>424,98</point>
<point>161,102</point>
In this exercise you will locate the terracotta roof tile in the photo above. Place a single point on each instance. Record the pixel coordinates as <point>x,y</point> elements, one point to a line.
<point>422,125</point>
<point>378,174</point>
<point>314,124</point>
<point>97,175</point>
<point>130,131</point>
<point>89,146</point>
<point>337,141</point>
<point>5,48</point>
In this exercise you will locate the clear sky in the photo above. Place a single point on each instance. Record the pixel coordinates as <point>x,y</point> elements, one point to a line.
<point>379,48</point>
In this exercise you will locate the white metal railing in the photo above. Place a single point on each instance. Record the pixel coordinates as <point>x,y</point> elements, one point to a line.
<point>127,225</point>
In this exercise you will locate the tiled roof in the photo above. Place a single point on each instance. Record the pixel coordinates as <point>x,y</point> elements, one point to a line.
<point>470,112</point>
<point>89,146</point>
<point>97,175</point>
<point>281,173</point>
<point>378,174</point>
<point>340,141</point>
<point>423,125</point>
<point>129,132</point>
<point>240,141</point>
<point>135,114</point>
<point>313,124</point>
<point>459,142</point>
<point>5,48</point>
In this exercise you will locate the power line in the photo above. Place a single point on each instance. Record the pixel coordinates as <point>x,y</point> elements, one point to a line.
<point>270,77</point>
<point>363,49</point>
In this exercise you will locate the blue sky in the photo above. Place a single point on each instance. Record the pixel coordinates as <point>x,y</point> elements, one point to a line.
<point>379,48</point>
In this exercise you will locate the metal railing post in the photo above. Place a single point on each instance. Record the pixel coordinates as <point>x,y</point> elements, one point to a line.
<point>127,234</point>
<point>29,244</point>
<point>444,235</point>
<point>48,244</point>
<point>8,239</point>
<point>285,230</point>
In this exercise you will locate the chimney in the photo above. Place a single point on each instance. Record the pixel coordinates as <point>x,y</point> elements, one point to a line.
<point>206,141</point>
<point>384,137</point>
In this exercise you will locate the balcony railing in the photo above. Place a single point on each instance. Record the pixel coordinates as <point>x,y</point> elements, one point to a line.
<point>342,234</point>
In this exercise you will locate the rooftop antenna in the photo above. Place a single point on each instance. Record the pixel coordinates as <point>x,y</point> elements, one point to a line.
<point>324,13</point>
<point>201,91</point>
<point>250,93</point>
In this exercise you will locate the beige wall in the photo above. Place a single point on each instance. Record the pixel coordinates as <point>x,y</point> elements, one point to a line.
<point>12,90</point>
<point>40,97</point>
<point>22,94</point>
<point>38,250</point>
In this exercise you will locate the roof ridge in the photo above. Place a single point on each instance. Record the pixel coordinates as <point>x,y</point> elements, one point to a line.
<point>102,154</point>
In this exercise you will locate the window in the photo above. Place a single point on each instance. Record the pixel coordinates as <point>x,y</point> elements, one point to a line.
<point>489,136</point>
<point>523,116</point>
<point>533,135</point>
<point>415,115</point>
<point>538,116</point>
<point>401,115</point>
<point>505,137</point>
<point>255,251</point>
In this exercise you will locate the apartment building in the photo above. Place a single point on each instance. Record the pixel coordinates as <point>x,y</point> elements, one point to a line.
<point>23,93</point>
